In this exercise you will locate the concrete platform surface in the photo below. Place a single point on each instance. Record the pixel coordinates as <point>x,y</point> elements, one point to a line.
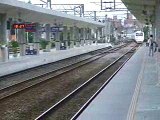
<point>148,104</point>
<point>29,61</point>
<point>114,101</point>
<point>133,94</point>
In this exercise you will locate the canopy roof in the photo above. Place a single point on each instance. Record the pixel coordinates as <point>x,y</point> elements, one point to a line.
<point>32,13</point>
<point>143,10</point>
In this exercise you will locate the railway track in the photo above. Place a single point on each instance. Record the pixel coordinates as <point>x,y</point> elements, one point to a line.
<point>28,74</point>
<point>40,79</point>
<point>26,99</point>
<point>42,69</point>
<point>68,103</point>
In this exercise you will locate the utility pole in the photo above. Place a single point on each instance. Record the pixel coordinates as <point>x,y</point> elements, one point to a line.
<point>114,4</point>
<point>49,3</point>
<point>95,16</point>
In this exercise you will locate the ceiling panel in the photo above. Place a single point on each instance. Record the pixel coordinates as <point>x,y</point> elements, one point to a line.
<point>143,10</point>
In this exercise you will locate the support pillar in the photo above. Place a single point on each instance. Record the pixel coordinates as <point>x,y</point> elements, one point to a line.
<point>99,34</point>
<point>95,35</point>
<point>157,23</point>
<point>84,35</point>
<point>57,42</point>
<point>72,37</point>
<point>48,32</point>
<point>77,36</point>
<point>107,29</point>
<point>37,36</point>
<point>48,37</point>
<point>100,31</point>
<point>153,32</point>
<point>82,39</point>
<point>87,36</point>
<point>90,36</point>
<point>22,41</point>
<point>3,38</point>
<point>65,36</point>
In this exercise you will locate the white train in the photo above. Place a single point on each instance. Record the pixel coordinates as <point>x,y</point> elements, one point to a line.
<point>139,36</point>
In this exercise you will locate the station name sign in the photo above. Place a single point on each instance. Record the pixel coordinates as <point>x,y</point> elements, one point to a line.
<point>53,29</point>
<point>31,27</point>
<point>28,27</point>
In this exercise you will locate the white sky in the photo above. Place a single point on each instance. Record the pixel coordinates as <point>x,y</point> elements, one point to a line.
<point>88,6</point>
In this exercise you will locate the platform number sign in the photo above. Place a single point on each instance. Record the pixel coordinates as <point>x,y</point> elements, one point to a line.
<point>30,28</point>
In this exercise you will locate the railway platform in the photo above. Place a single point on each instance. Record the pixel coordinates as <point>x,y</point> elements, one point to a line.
<point>29,61</point>
<point>132,94</point>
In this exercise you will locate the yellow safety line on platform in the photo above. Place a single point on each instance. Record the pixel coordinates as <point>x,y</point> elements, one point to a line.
<point>132,107</point>
<point>157,68</point>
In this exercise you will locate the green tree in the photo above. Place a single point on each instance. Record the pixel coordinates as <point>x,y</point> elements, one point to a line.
<point>43,43</point>
<point>14,45</point>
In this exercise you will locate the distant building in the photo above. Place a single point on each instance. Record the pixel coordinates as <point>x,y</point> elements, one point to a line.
<point>113,29</point>
<point>129,22</point>
<point>131,25</point>
<point>117,23</point>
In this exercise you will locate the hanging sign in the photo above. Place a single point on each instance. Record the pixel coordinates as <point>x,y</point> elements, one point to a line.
<point>28,27</point>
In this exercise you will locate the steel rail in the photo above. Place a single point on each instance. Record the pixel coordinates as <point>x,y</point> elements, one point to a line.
<point>39,76</point>
<point>98,91</point>
<point>62,101</point>
<point>37,67</point>
<point>17,73</point>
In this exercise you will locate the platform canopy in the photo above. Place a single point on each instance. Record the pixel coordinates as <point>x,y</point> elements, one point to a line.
<point>32,13</point>
<point>143,10</point>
